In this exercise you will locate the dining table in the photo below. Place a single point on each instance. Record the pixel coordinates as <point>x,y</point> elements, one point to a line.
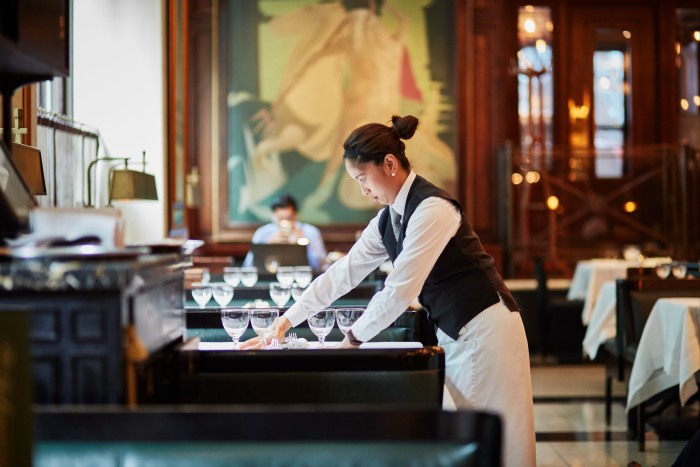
<point>669,351</point>
<point>603,322</point>
<point>590,275</point>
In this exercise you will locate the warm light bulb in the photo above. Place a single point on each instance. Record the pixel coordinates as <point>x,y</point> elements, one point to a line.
<point>684,104</point>
<point>696,100</point>
<point>552,203</point>
<point>516,178</point>
<point>532,177</point>
<point>630,206</point>
<point>529,26</point>
<point>696,35</point>
<point>678,48</point>
<point>626,34</point>
<point>541,45</point>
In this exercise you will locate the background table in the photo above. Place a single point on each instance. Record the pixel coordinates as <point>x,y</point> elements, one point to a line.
<point>669,351</point>
<point>603,322</point>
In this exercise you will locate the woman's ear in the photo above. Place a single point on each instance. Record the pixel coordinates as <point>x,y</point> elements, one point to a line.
<point>391,163</point>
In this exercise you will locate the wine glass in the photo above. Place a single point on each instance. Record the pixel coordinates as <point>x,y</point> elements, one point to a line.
<point>679,270</point>
<point>235,322</point>
<point>272,263</point>
<point>232,276</point>
<point>262,320</point>
<point>206,276</point>
<point>346,318</point>
<point>285,275</point>
<point>279,293</point>
<point>297,292</point>
<point>249,276</point>
<point>321,323</point>
<point>201,293</point>
<point>663,270</point>
<point>222,292</point>
<point>303,275</point>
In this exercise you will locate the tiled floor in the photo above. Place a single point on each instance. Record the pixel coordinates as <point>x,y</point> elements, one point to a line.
<point>570,422</point>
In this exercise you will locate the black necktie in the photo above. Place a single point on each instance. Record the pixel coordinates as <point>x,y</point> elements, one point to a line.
<point>395,222</point>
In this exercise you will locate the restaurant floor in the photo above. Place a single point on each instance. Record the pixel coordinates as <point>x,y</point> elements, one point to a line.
<point>570,422</point>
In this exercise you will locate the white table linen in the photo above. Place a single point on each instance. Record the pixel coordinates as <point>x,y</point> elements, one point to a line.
<point>668,352</point>
<point>327,345</point>
<point>590,275</point>
<point>603,323</point>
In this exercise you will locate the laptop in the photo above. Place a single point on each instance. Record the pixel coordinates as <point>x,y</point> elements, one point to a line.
<point>285,254</point>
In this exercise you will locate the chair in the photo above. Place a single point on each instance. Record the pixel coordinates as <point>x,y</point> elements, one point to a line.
<point>261,436</point>
<point>634,300</point>
<point>560,315</point>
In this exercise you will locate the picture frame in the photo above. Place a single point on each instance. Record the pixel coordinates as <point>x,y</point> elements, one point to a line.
<point>296,77</point>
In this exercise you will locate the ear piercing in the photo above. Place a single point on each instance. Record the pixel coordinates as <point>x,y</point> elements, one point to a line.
<point>393,174</point>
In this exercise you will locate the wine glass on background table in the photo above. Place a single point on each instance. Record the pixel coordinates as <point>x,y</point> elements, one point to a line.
<point>346,317</point>
<point>249,276</point>
<point>222,292</point>
<point>201,293</point>
<point>232,276</point>
<point>303,275</point>
<point>663,271</point>
<point>679,270</point>
<point>235,322</point>
<point>297,291</point>
<point>262,320</point>
<point>280,293</point>
<point>285,275</point>
<point>321,323</point>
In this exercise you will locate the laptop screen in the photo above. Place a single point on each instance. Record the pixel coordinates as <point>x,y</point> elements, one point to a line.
<point>285,254</point>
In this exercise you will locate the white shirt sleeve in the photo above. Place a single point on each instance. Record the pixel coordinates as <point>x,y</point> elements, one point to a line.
<point>344,275</point>
<point>434,222</point>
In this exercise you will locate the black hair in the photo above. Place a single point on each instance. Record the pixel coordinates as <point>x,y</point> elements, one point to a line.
<point>372,142</point>
<point>284,201</point>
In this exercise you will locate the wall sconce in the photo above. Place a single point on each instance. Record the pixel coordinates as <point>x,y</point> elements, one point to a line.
<point>125,184</point>
<point>27,160</point>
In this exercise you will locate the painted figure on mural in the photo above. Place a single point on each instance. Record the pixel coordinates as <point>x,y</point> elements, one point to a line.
<point>349,65</point>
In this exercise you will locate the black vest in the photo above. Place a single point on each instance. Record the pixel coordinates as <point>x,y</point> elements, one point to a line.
<point>464,280</point>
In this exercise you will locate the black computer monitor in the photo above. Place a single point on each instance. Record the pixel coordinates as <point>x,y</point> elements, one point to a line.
<point>16,201</point>
<point>286,254</point>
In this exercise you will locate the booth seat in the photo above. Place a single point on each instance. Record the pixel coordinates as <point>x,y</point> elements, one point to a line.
<point>185,436</point>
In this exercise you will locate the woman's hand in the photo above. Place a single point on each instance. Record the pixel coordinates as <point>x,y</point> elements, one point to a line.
<point>347,345</point>
<point>279,329</point>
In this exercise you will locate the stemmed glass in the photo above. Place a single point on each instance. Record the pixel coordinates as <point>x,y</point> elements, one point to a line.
<point>235,322</point>
<point>232,276</point>
<point>297,292</point>
<point>285,275</point>
<point>303,275</point>
<point>279,293</point>
<point>321,323</point>
<point>346,318</point>
<point>663,270</point>
<point>201,293</point>
<point>222,292</point>
<point>262,320</point>
<point>206,276</point>
<point>679,270</point>
<point>249,276</point>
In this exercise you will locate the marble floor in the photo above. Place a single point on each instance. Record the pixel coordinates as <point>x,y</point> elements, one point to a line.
<point>570,422</point>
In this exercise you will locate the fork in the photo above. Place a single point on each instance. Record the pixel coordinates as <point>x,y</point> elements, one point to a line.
<point>274,344</point>
<point>292,337</point>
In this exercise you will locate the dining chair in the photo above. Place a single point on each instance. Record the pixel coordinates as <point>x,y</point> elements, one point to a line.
<point>561,328</point>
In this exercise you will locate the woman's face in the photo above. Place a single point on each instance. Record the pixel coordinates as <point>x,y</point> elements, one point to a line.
<point>375,181</point>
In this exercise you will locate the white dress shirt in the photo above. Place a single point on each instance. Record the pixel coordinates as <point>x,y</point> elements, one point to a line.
<point>434,222</point>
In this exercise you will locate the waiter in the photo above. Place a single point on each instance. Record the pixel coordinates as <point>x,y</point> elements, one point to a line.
<point>439,259</point>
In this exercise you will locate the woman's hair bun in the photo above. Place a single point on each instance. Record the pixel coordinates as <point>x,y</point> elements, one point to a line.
<point>404,126</point>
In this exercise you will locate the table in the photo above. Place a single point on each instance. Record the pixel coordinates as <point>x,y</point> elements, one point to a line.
<point>603,323</point>
<point>590,275</point>
<point>668,352</point>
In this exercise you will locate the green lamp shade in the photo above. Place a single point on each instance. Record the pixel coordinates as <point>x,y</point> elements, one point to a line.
<point>131,184</point>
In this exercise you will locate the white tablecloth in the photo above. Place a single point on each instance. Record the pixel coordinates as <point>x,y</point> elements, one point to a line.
<point>668,352</point>
<point>603,323</point>
<point>590,275</point>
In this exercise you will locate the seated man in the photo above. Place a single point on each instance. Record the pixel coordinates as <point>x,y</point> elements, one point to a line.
<point>284,228</point>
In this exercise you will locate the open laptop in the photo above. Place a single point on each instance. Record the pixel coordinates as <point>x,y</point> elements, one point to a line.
<point>286,254</point>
